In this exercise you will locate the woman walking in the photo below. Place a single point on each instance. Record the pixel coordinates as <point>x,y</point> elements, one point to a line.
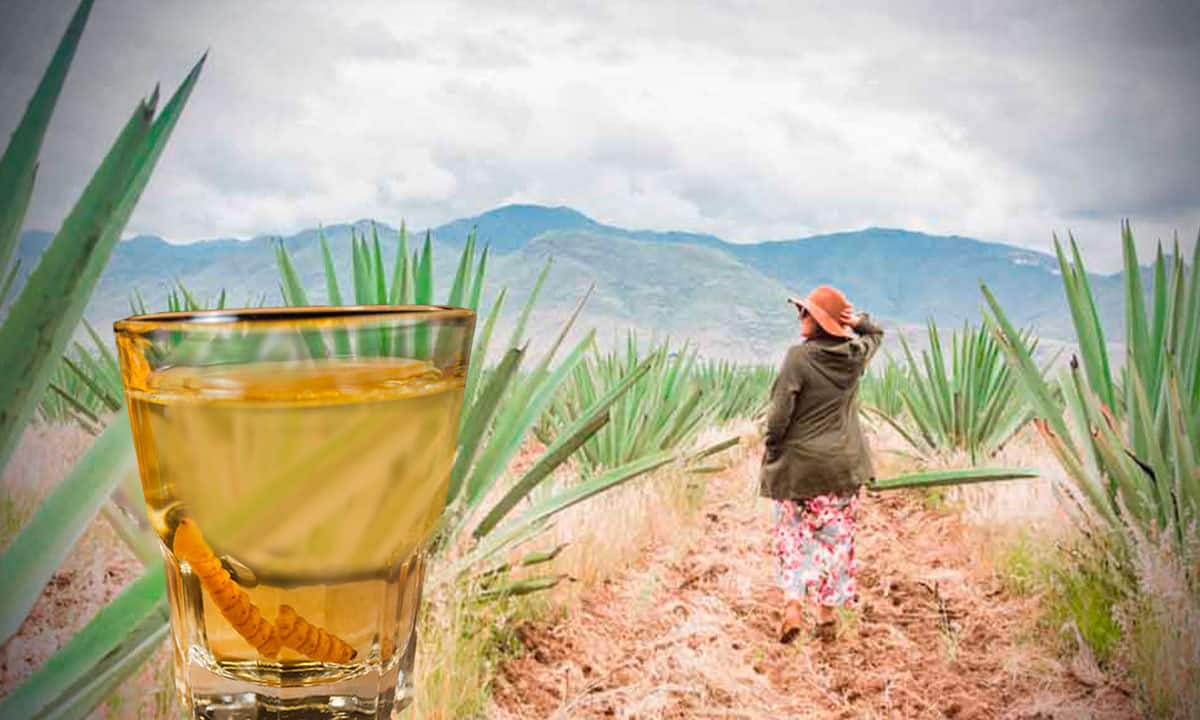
<point>816,458</point>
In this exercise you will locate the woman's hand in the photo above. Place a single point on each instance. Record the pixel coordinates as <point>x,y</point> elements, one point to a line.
<point>849,317</point>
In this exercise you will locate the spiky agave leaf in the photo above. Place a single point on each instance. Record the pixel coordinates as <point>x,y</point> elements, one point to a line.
<point>18,166</point>
<point>478,419</point>
<point>515,421</point>
<point>9,280</point>
<point>40,322</point>
<point>523,586</point>
<point>477,465</point>
<point>567,442</point>
<point>956,476</point>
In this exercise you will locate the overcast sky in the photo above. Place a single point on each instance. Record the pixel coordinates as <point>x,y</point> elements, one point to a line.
<point>1005,121</point>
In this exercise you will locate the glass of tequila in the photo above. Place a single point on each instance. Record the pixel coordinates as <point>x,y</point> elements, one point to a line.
<point>295,462</point>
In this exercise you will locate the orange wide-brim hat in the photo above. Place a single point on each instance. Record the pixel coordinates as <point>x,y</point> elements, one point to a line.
<point>826,304</point>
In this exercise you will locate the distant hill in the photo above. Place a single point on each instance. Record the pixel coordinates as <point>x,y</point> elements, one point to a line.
<point>510,227</point>
<point>507,229</point>
<point>728,298</point>
<point>913,276</point>
<point>902,275</point>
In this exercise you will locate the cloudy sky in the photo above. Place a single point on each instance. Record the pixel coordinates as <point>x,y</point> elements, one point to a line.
<point>1000,120</point>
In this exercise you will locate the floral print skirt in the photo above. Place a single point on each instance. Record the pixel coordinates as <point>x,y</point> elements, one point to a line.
<point>814,539</point>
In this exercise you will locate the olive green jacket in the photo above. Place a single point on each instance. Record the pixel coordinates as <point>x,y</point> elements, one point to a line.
<point>815,445</point>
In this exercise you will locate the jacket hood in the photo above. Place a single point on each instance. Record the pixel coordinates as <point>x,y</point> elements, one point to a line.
<point>839,361</point>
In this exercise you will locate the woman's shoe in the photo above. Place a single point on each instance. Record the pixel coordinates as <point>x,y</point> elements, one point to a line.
<point>793,621</point>
<point>825,624</point>
<point>825,628</point>
<point>825,632</point>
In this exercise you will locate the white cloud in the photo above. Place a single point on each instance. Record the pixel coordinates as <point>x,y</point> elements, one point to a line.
<point>749,121</point>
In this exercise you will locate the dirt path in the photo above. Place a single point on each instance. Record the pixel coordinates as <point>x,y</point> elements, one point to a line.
<point>690,633</point>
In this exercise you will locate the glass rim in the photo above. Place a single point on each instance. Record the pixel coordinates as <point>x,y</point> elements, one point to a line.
<point>287,318</point>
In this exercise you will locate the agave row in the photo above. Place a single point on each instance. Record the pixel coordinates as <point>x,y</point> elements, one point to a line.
<point>736,390</point>
<point>677,395</point>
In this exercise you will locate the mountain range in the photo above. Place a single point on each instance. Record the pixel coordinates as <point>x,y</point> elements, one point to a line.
<point>727,298</point>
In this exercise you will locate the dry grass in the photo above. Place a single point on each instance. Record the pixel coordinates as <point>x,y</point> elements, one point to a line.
<point>459,644</point>
<point>1163,628</point>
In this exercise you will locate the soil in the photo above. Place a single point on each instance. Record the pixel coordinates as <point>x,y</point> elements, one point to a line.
<point>690,632</point>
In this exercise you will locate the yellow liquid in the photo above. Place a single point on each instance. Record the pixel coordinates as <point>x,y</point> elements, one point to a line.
<point>316,484</point>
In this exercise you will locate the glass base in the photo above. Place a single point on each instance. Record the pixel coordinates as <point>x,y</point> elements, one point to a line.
<point>373,696</point>
<point>311,707</point>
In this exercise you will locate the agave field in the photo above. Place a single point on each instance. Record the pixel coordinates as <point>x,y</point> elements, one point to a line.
<point>677,396</point>
<point>879,389</point>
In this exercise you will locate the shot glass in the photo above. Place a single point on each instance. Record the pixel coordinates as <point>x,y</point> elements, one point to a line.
<point>295,462</point>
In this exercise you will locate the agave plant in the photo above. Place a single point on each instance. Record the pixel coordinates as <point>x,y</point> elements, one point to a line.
<point>1129,440</point>
<point>969,403</point>
<point>35,332</point>
<point>736,391</point>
